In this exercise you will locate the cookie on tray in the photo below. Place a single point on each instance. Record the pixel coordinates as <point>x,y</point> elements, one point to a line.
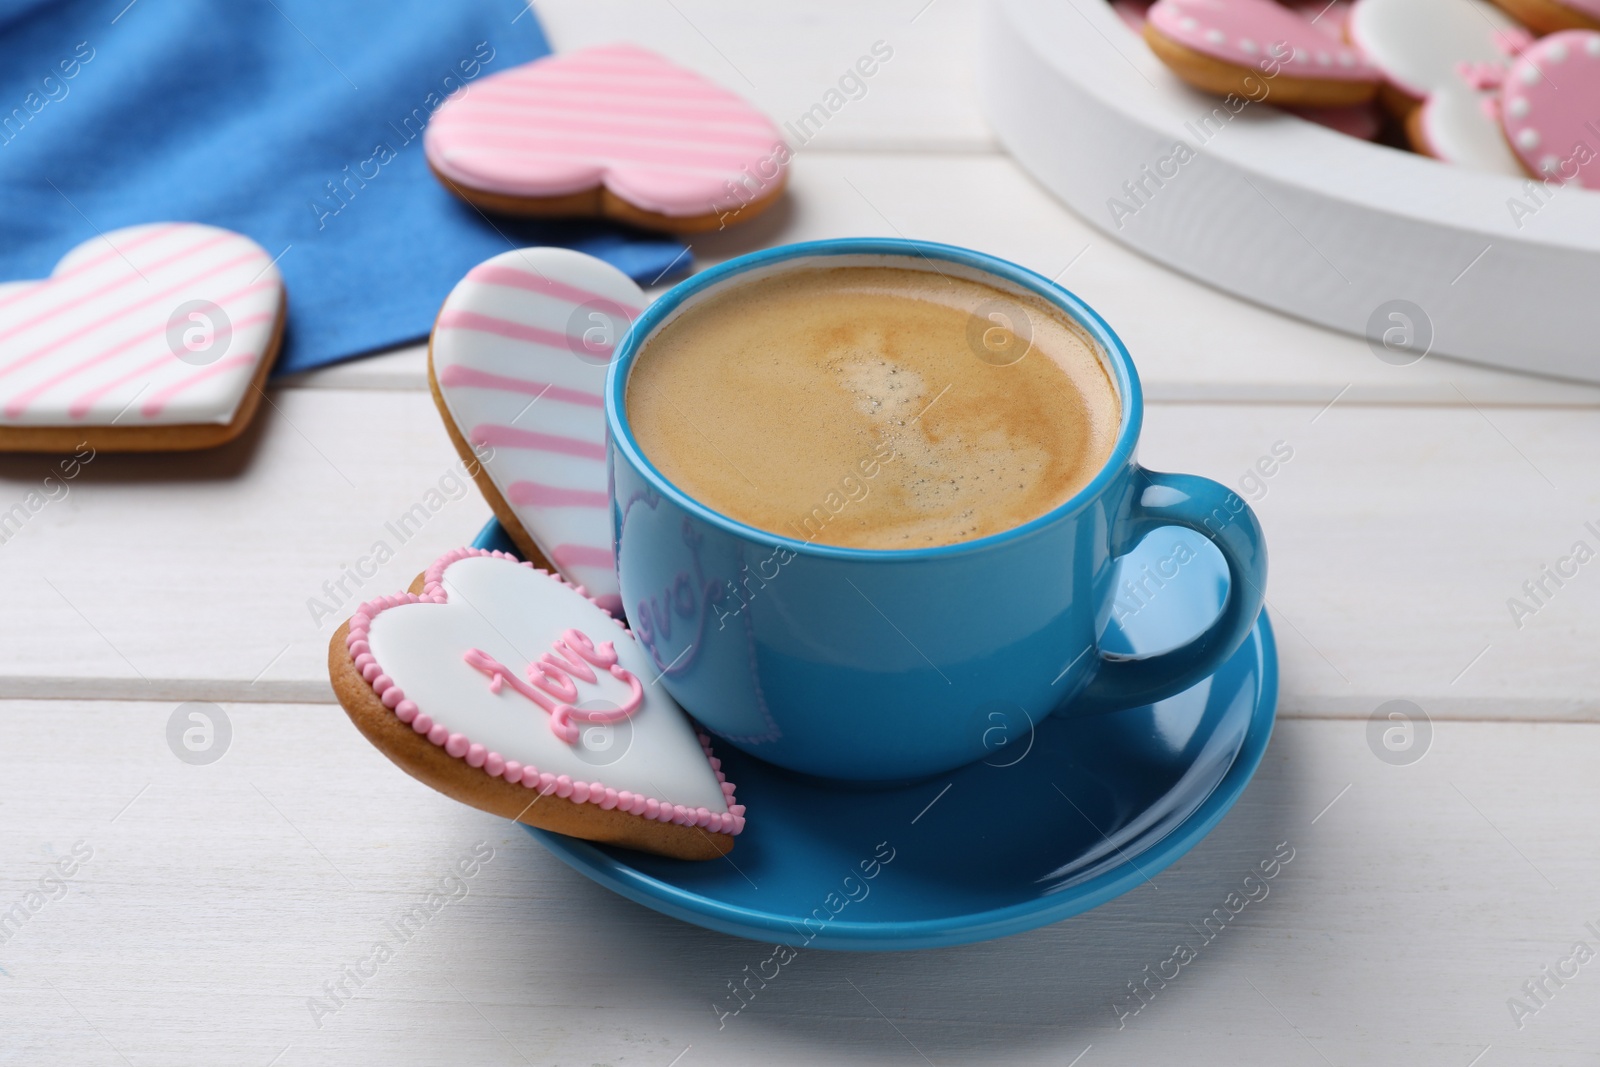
<point>1259,50</point>
<point>517,364</point>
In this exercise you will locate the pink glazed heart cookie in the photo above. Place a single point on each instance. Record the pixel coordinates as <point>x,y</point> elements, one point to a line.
<point>517,364</point>
<point>505,688</point>
<point>1550,107</point>
<point>615,131</point>
<point>145,339</point>
<point>1260,50</point>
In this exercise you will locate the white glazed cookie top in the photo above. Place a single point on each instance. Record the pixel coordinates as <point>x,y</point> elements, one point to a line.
<point>1420,44</point>
<point>513,615</point>
<point>153,325</point>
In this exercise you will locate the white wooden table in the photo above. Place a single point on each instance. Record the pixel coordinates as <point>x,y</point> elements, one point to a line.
<point>216,900</point>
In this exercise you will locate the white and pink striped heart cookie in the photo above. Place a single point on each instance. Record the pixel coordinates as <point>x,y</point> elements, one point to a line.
<point>518,363</point>
<point>614,131</point>
<point>149,338</point>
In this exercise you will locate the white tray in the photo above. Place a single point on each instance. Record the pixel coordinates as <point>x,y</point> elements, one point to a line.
<point>1290,214</point>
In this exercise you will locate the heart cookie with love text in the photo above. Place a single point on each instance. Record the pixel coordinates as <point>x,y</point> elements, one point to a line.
<point>517,364</point>
<point>615,131</point>
<point>505,688</point>
<point>148,338</point>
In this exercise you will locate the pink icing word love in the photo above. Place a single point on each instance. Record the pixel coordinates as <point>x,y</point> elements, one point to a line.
<point>552,678</point>
<point>1550,107</point>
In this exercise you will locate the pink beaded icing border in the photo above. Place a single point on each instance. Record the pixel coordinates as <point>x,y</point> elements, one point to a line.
<point>492,763</point>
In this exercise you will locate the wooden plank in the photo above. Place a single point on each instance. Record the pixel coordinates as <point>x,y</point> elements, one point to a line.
<point>1397,535</point>
<point>1191,342</point>
<point>182,575</point>
<point>219,900</point>
<point>790,59</point>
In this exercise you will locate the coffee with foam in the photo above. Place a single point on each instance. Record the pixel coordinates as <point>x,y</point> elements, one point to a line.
<point>878,407</point>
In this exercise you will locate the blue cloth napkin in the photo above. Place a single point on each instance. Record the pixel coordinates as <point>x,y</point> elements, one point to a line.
<point>295,122</point>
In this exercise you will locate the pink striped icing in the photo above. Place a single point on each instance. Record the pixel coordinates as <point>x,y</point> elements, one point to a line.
<point>453,319</point>
<point>467,377</point>
<point>494,102</point>
<point>87,343</point>
<point>84,266</point>
<point>660,137</point>
<point>495,765</point>
<point>520,356</point>
<point>541,144</point>
<point>157,402</point>
<point>80,405</point>
<point>511,437</point>
<point>580,555</point>
<point>116,316</point>
<point>493,273</point>
<point>654,130</point>
<point>554,496</point>
<point>116,283</point>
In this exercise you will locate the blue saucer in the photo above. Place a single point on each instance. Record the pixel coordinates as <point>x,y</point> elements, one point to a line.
<point>1059,819</point>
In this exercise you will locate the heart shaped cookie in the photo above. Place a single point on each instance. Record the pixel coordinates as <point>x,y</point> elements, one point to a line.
<point>505,688</point>
<point>1551,108</point>
<point>1257,50</point>
<point>615,131</point>
<point>148,338</point>
<point>1423,45</point>
<point>517,363</point>
<point>1443,61</point>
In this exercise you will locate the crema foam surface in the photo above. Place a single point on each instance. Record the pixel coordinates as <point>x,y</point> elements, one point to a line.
<point>874,407</point>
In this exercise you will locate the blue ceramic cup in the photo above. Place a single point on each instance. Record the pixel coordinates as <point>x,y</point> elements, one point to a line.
<point>889,665</point>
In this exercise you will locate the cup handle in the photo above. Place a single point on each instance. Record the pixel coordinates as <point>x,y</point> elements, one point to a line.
<point>1217,513</point>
